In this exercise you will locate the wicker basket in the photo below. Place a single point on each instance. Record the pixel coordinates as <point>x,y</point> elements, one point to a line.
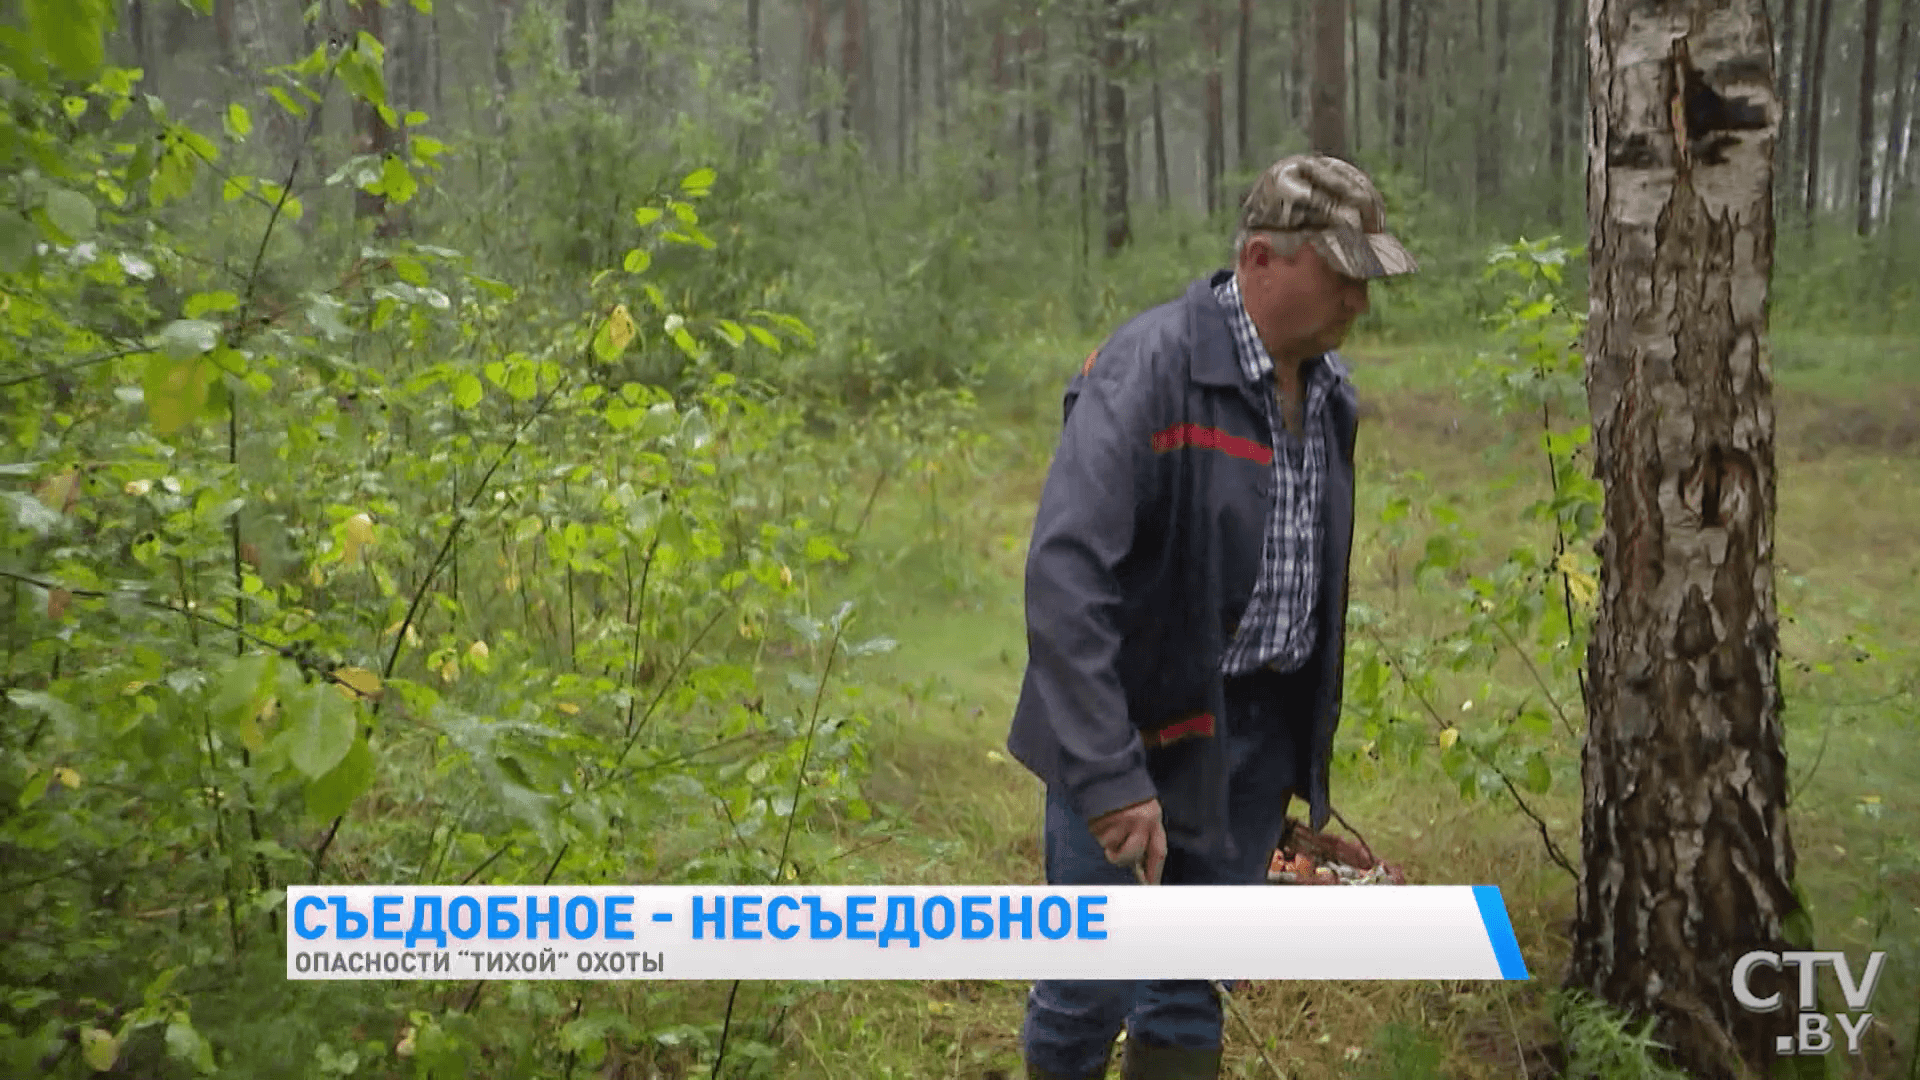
<point>1307,857</point>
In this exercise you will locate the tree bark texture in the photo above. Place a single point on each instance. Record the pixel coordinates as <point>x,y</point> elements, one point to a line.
<point>1161,174</point>
<point>371,135</point>
<point>1490,161</point>
<point>1356,107</point>
<point>1213,112</point>
<point>1403,85</point>
<point>1898,117</point>
<point>1556,109</point>
<point>1783,85</point>
<point>1301,30</point>
<point>853,85</point>
<point>1382,59</point>
<point>1243,57</point>
<point>1813,102</point>
<point>1113,129</point>
<point>1327,122</point>
<point>815,14</point>
<point>753,41</point>
<point>1687,863</point>
<point>1869,66</point>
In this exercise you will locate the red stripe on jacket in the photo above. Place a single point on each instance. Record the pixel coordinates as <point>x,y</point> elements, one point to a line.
<point>1180,435</point>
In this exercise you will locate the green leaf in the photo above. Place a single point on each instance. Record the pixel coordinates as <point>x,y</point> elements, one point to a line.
<point>330,795</point>
<point>1538,776</point>
<point>186,1044</point>
<point>72,213</point>
<point>72,33</point>
<point>699,180</point>
<point>467,390</point>
<point>184,339</point>
<point>638,260</point>
<point>321,728</point>
<point>239,125</point>
<point>396,181</point>
<point>176,391</point>
<point>646,215</point>
<point>36,787</point>
<point>202,303</point>
<point>286,101</point>
<point>243,690</point>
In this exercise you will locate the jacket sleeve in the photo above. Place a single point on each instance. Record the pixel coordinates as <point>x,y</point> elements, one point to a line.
<point>1100,477</point>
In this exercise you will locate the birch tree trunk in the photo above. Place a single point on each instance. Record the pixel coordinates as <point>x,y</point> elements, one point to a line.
<point>1687,863</point>
<point>1898,115</point>
<point>1869,64</point>
<point>1813,72</point>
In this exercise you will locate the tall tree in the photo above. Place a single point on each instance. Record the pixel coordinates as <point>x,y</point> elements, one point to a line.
<point>853,67</point>
<point>1687,862</point>
<point>1402,81</point>
<point>1242,61</point>
<point>1490,160</point>
<point>1899,116</point>
<point>1213,117</point>
<point>1784,84</point>
<point>371,135</point>
<point>1355,105</point>
<point>226,35</point>
<point>1299,34</point>
<point>1327,124</point>
<point>1382,56</point>
<point>1869,65</point>
<point>1813,101</point>
<point>1561,16</point>
<point>1113,133</point>
<point>814,67</point>
<point>753,41</point>
<point>1162,181</point>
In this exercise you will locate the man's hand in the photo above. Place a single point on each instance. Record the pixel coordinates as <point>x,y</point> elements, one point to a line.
<point>1133,834</point>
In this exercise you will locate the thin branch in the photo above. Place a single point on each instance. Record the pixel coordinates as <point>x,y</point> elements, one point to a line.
<point>1553,849</point>
<point>1538,680</point>
<point>50,372</point>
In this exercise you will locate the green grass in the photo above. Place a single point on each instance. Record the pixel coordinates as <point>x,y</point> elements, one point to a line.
<point>963,812</point>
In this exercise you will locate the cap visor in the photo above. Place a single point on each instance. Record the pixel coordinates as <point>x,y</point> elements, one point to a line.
<point>1392,257</point>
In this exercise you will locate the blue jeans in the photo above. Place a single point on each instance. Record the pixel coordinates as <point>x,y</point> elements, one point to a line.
<point>1071,1024</point>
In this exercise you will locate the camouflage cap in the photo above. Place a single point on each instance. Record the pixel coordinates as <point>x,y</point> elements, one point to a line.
<point>1336,205</point>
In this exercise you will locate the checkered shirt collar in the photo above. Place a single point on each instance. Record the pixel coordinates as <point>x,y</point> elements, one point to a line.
<point>1255,362</point>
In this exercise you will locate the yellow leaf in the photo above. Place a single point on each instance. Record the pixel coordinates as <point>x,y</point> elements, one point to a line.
<point>1580,583</point>
<point>99,1048</point>
<point>1449,737</point>
<point>1870,800</point>
<point>786,576</point>
<point>361,681</point>
<point>478,650</point>
<point>569,708</point>
<point>940,1008</point>
<point>66,776</point>
<point>139,487</point>
<point>620,328</point>
<point>359,534</point>
<point>450,671</point>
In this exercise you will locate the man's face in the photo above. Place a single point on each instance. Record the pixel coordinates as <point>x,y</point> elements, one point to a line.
<point>1303,291</point>
<point>1335,300</point>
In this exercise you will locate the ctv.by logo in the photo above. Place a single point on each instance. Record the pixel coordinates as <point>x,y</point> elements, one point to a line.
<point>1814,1035</point>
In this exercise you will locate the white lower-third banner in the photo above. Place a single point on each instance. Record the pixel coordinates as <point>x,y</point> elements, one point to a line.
<point>852,932</point>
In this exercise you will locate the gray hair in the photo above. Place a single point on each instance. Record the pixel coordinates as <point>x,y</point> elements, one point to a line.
<point>1285,244</point>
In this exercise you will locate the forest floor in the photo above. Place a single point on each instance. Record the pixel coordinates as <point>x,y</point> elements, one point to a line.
<point>1849,587</point>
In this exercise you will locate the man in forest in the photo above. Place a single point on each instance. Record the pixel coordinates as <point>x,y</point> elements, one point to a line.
<point>1187,593</point>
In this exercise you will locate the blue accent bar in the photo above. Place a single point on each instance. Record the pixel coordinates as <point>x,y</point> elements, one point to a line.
<point>662,916</point>
<point>1506,949</point>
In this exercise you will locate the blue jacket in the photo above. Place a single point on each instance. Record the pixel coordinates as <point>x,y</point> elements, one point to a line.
<point>1145,551</point>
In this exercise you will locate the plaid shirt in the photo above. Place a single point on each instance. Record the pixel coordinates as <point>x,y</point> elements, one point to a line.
<point>1277,629</point>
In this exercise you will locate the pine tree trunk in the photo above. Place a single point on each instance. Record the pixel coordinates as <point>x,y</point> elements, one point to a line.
<point>1422,33</point>
<point>1113,47</point>
<point>226,36</point>
<point>1212,107</point>
<point>502,67</point>
<point>1162,177</point>
<point>914,83</point>
<point>939,64</point>
<point>1327,124</point>
<point>1042,125</point>
<point>1300,33</point>
<point>1815,73</point>
<point>753,42</point>
<point>1869,65</point>
<point>1356,107</point>
<point>1556,108</point>
<point>371,135</point>
<point>815,15</point>
<point>1492,163</point>
<point>1382,57</point>
<point>853,24</point>
<point>1687,864</point>
<point>1403,84</point>
<point>1243,50</point>
<point>577,40</point>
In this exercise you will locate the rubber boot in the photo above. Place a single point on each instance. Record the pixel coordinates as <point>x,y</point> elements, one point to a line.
<point>1144,1062</point>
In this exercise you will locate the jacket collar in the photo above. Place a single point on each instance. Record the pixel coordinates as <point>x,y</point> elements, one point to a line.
<point>1214,361</point>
